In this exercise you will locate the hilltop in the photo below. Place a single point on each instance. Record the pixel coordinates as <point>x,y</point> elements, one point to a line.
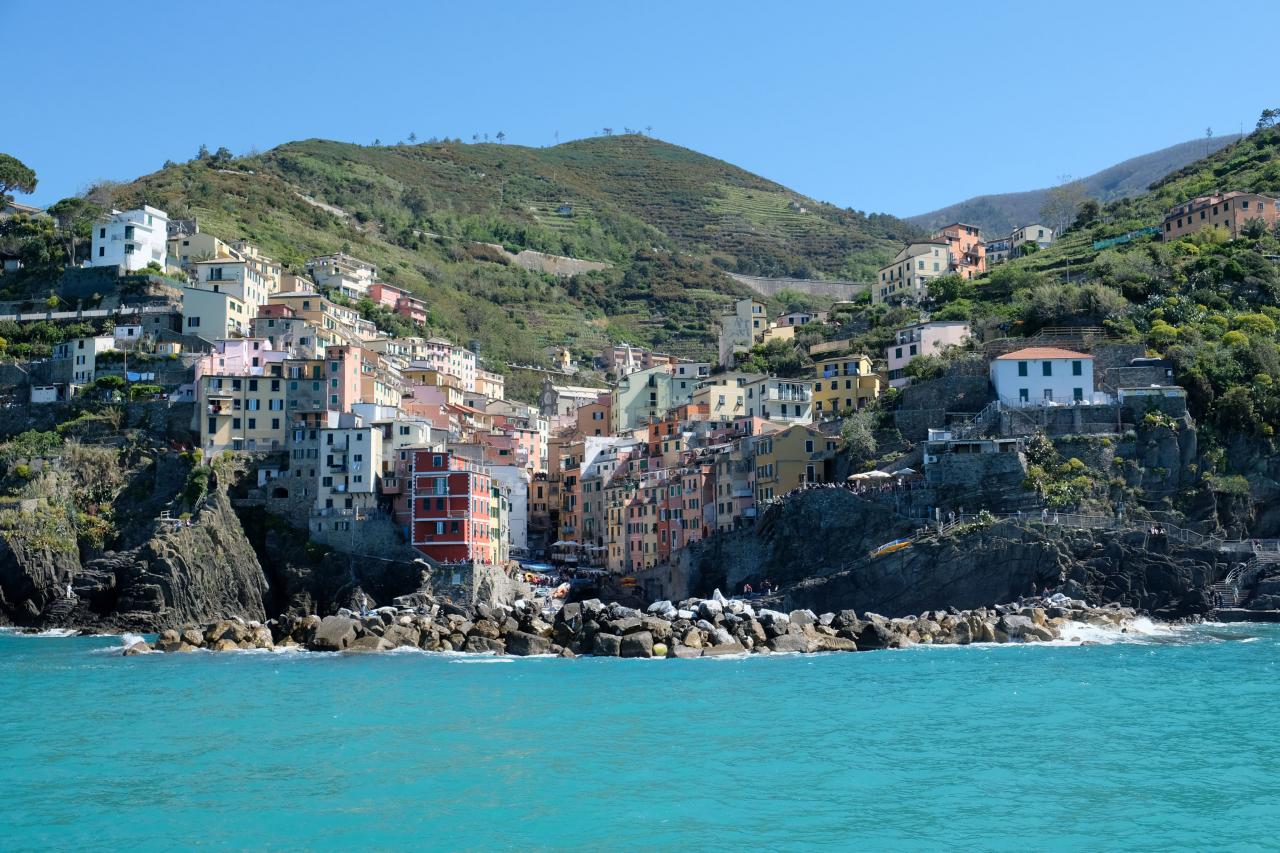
<point>669,222</point>
<point>1001,213</point>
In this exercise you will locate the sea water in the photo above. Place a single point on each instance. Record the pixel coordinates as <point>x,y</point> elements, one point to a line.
<point>1157,742</point>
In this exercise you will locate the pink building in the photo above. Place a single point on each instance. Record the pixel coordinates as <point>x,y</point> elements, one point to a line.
<point>239,357</point>
<point>385,294</point>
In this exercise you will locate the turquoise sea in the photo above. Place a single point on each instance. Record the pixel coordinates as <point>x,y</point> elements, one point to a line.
<point>1166,743</point>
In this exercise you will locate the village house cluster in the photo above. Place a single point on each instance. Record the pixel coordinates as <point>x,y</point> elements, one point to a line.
<point>362,435</point>
<point>955,249</point>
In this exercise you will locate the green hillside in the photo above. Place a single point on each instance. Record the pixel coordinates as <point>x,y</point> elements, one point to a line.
<point>1206,302</point>
<point>669,221</point>
<point>1000,214</point>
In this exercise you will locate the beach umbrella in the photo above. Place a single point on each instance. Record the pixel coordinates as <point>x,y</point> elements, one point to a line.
<point>876,475</point>
<point>906,472</point>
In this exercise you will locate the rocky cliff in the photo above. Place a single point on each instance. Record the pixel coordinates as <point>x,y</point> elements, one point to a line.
<point>816,547</point>
<point>1008,560</point>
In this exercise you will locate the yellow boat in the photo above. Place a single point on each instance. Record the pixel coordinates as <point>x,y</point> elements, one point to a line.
<point>890,547</point>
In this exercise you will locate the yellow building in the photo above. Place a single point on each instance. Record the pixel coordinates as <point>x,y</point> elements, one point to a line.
<point>242,412</point>
<point>843,383</point>
<point>187,249</point>
<point>786,459</point>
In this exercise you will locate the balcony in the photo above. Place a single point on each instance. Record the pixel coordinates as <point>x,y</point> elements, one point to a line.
<point>778,395</point>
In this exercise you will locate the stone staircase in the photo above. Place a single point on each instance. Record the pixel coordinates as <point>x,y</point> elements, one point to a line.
<point>1234,589</point>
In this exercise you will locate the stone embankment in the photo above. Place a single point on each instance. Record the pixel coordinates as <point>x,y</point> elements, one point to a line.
<point>693,628</point>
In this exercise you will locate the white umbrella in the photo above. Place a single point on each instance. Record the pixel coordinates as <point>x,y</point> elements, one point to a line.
<point>906,472</point>
<point>876,475</point>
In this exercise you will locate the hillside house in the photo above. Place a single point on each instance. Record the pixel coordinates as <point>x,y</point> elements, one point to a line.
<point>1043,376</point>
<point>921,339</point>
<point>843,383</point>
<point>907,276</point>
<point>1219,210</point>
<point>131,239</point>
<point>968,252</point>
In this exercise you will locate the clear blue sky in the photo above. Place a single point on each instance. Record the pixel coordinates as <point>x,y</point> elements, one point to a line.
<point>899,107</point>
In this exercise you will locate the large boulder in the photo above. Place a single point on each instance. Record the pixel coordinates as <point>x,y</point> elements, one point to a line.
<point>402,635</point>
<point>734,648</point>
<point>525,644</point>
<point>793,643</point>
<point>606,645</point>
<point>637,645</point>
<point>333,634</point>
<point>485,645</point>
<point>484,628</point>
<point>836,644</point>
<point>369,643</point>
<point>624,625</point>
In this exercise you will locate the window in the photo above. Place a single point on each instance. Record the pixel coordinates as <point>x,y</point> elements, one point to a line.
<point>913,349</point>
<point>897,353</point>
<point>1023,395</point>
<point>1077,368</point>
<point>101,251</point>
<point>1047,368</point>
<point>1022,368</point>
<point>1078,394</point>
<point>439,528</point>
<point>808,446</point>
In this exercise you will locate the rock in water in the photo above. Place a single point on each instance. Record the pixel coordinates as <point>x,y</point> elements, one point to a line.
<point>525,644</point>
<point>370,643</point>
<point>606,645</point>
<point>333,634</point>
<point>637,645</point>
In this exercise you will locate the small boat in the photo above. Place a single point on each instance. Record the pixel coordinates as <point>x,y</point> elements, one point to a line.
<point>890,547</point>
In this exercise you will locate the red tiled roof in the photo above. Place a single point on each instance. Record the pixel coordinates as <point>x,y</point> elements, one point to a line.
<point>1031,353</point>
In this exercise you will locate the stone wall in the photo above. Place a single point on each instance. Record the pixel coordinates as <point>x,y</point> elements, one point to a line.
<point>957,473</point>
<point>835,290</point>
<point>952,398</point>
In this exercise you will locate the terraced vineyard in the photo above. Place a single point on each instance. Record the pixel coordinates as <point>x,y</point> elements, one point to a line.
<point>668,220</point>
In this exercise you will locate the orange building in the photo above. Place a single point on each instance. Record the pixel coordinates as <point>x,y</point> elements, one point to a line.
<point>1230,211</point>
<point>968,252</point>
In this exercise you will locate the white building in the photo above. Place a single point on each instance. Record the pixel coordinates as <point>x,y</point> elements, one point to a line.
<point>350,468</point>
<point>740,330</point>
<point>349,276</point>
<point>1043,376</point>
<point>83,353</point>
<point>918,340</point>
<point>515,481</point>
<point>1041,235</point>
<point>131,239</point>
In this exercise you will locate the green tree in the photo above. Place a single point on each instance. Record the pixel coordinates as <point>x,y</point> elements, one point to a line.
<point>857,435</point>
<point>15,175</point>
<point>1088,213</point>
<point>75,217</point>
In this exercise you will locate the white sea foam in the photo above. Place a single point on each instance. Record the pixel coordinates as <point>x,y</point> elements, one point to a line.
<point>51,632</point>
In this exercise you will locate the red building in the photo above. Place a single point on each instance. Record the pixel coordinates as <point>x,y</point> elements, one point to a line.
<point>451,499</point>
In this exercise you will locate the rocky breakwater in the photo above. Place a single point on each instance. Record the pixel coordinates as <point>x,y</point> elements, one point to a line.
<point>691,629</point>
